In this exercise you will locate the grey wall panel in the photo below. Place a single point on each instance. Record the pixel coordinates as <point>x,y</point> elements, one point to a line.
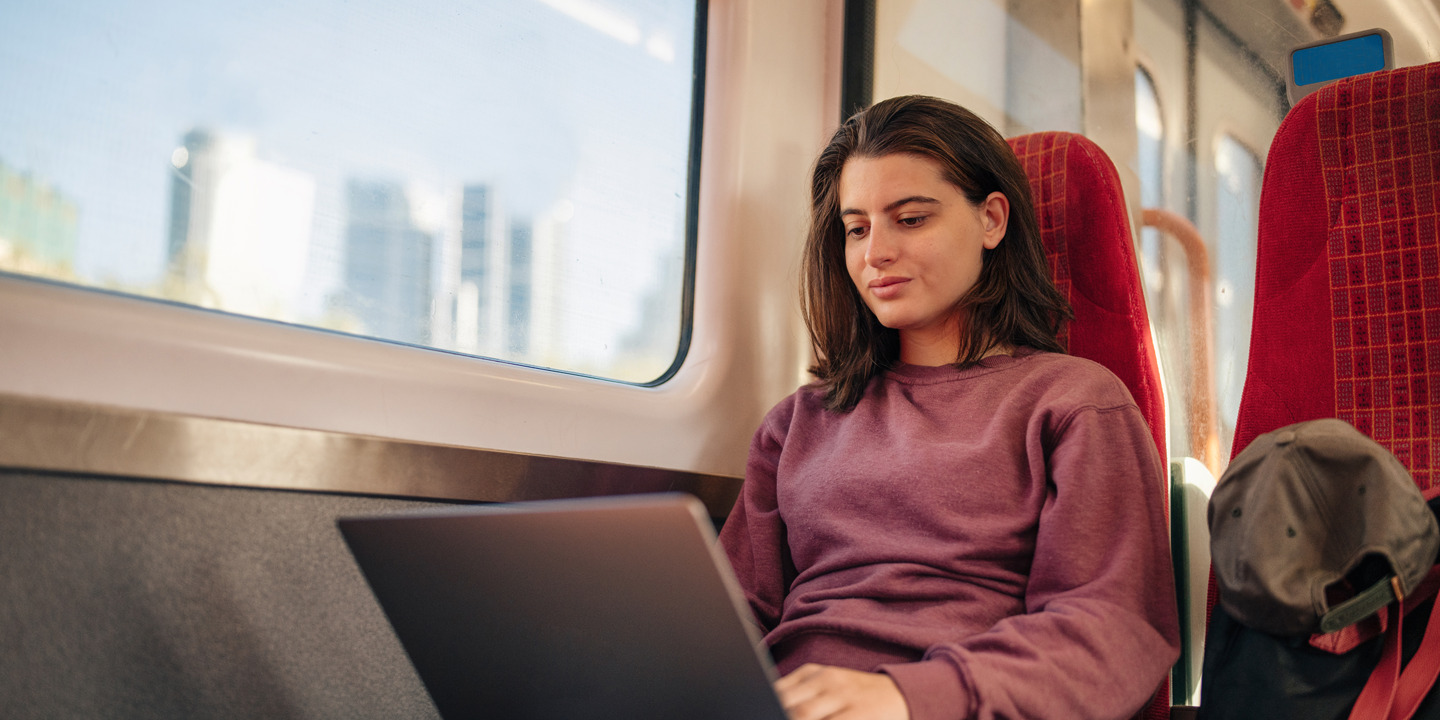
<point>127,598</point>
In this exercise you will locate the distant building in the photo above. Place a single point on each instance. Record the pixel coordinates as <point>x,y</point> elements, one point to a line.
<point>38,226</point>
<point>239,228</point>
<point>520,291</point>
<point>509,272</point>
<point>481,298</point>
<point>388,260</point>
<point>461,275</point>
<point>542,310</point>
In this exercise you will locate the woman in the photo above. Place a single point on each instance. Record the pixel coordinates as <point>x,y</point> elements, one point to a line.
<point>955,520</point>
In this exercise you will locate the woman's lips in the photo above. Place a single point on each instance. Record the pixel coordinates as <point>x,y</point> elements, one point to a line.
<point>887,287</point>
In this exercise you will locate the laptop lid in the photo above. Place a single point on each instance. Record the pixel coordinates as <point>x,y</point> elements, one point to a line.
<point>619,607</point>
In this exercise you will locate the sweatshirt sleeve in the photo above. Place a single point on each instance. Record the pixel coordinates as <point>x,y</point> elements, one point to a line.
<point>1101,628</point>
<point>753,536</point>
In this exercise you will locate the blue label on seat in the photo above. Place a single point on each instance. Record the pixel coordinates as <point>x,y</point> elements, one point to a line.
<point>1323,63</point>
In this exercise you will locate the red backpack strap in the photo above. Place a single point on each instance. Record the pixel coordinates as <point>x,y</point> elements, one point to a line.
<point>1391,694</point>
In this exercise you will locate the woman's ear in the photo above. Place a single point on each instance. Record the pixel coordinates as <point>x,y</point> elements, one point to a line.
<point>994,217</point>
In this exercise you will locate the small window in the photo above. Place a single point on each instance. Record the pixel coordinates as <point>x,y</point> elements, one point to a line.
<point>1237,213</point>
<point>511,180</point>
<point>1150,159</point>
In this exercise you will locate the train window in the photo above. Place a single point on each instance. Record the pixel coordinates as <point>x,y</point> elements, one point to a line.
<point>1150,161</point>
<point>1216,73</point>
<point>500,179</point>
<point>1164,259</point>
<point>1018,65</point>
<point>1237,202</point>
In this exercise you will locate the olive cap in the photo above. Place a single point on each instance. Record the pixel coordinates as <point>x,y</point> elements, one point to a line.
<point>1301,508</point>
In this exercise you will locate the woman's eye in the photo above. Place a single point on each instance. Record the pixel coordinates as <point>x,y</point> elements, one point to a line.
<point>855,232</point>
<point>912,221</point>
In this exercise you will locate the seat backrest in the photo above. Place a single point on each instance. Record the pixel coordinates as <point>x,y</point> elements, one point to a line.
<point>1347,296</point>
<point>1086,232</point>
<point>1347,274</point>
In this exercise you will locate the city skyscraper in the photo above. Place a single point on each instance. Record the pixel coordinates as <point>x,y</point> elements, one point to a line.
<point>542,275</point>
<point>387,280</point>
<point>519,312</point>
<point>509,280</point>
<point>483,273</point>
<point>240,227</point>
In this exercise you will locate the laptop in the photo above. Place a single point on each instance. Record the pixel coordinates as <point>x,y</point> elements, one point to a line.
<point>617,607</point>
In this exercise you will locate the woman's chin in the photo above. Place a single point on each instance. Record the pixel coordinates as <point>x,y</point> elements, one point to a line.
<point>893,320</point>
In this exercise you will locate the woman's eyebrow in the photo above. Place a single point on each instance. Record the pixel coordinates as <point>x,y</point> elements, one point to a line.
<point>892,206</point>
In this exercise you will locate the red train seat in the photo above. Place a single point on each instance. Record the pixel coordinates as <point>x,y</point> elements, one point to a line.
<point>1080,205</point>
<point>1347,296</point>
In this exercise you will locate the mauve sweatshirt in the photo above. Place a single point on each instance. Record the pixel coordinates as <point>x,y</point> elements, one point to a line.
<point>992,538</point>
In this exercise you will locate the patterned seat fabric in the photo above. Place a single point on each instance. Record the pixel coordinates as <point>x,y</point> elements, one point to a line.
<point>1347,297</point>
<point>1086,231</point>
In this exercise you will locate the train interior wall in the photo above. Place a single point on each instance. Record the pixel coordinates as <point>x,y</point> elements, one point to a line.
<point>140,598</point>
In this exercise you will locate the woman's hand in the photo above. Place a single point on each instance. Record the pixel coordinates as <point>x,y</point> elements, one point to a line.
<point>823,692</point>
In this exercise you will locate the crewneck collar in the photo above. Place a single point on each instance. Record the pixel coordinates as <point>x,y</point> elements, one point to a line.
<point>924,374</point>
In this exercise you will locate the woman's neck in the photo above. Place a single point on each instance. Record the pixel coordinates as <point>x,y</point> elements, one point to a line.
<point>936,351</point>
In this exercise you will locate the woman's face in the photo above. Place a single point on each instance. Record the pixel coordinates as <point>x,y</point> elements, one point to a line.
<point>913,246</point>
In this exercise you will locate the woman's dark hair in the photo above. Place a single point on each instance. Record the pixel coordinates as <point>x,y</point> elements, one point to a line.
<point>1013,303</point>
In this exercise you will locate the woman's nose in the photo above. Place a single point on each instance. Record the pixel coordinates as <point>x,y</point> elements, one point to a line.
<point>880,251</point>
